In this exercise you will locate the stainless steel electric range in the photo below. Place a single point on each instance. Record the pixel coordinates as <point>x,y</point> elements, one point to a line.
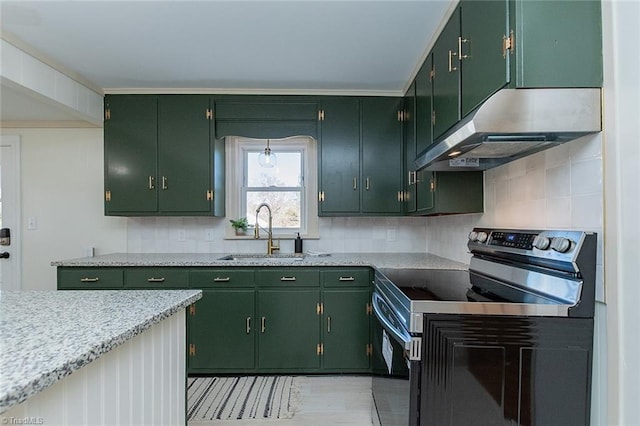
<point>508,342</point>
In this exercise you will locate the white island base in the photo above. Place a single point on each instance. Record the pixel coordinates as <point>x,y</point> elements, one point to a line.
<point>141,382</point>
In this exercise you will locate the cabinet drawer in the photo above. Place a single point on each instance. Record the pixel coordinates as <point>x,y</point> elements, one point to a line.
<point>156,278</point>
<point>288,277</point>
<point>89,278</point>
<point>346,277</point>
<point>265,110</point>
<point>221,278</point>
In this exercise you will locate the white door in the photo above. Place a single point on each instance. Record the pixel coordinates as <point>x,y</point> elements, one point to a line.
<point>10,212</point>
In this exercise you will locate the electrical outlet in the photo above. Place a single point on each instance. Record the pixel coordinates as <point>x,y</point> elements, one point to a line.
<point>32,223</point>
<point>182,235</point>
<point>208,235</point>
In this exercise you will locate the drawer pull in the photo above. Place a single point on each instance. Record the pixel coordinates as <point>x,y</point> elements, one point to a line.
<point>89,280</point>
<point>346,279</point>
<point>156,280</point>
<point>248,325</point>
<point>221,279</point>
<point>287,278</point>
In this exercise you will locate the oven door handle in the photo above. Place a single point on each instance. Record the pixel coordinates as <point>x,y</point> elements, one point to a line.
<point>402,336</point>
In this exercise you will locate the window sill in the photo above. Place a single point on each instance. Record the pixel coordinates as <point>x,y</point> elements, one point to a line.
<point>275,237</point>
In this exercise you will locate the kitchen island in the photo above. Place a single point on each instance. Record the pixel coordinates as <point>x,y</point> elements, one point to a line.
<point>93,357</point>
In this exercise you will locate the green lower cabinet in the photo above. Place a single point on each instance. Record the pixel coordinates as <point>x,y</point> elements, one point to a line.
<point>90,278</point>
<point>345,330</point>
<point>288,334</point>
<point>221,331</point>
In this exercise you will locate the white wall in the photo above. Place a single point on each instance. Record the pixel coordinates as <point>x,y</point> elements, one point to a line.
<point>622,207</point>
<point>63,187</point>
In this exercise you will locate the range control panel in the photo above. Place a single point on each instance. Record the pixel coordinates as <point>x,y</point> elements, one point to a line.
<point>554,245</point>
<point>512,239</point>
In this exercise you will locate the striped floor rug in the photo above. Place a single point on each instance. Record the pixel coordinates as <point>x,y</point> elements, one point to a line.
<point>246,397</point>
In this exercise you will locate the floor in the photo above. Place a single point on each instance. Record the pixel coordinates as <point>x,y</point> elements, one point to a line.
<point>324,400</point>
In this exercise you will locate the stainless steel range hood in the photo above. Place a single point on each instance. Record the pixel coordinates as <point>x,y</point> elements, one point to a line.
<point>514,123</point>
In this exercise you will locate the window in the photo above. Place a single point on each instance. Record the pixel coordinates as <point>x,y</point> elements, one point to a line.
<point>288,188</point>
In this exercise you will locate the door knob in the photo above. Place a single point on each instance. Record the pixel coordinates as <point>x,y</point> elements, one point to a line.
<point>4,255</point>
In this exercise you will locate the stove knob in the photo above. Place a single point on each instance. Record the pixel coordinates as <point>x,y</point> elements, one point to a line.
<point>541,242</point>
<point>473,235</point>
<point>561,245</point>
<point>482,237</point>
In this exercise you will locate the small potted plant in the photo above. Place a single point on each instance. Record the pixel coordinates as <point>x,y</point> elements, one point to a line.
<point>240,225</point>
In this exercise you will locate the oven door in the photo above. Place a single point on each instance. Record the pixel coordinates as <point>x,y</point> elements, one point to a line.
<point>395,383</point>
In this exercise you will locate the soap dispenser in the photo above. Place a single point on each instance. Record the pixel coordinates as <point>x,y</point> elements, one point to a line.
<point>298,244</point>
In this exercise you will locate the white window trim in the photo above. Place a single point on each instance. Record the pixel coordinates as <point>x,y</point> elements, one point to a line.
<point>235,181</point>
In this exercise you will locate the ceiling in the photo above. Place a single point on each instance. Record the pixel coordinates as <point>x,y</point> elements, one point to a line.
<point>296,46</point>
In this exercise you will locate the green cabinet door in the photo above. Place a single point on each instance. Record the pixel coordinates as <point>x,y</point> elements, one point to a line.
<point>424,191</point>
<point>184,154</point>
<point>454,192</point>
<point>339,160</point>
<point>557,43</point>
<point>409,136</point>
<point>221,330</point>
<point>346,330</point>
<point>381,155</point>
<point>446,80</point>
<point>130,154</point>
<point>288,332</point>
<point>484,67</point>
<point>424,105</point>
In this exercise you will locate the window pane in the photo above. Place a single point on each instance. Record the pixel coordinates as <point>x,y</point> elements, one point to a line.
<point>285,208</point>
<point>286,173</point>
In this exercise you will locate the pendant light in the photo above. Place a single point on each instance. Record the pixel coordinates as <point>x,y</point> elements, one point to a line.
<point>267,159</point>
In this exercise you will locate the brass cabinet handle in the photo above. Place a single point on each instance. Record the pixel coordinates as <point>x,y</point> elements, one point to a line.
<point>89,280</point>
<point>263,324</point>
<point>355,183</point>
<point>346,279</point>
<point>155,280</point>
<point>366,183</point>
<point>412,178</point>
<point>221,280</point>
<point>451,55</point>
<point>164,183</point>
<point>152,182</point>
<point>248,325</point>
<point>287,278</point>
<point>328,324</point>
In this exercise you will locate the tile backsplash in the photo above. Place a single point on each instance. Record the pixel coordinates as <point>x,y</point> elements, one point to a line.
<point>340,234</point>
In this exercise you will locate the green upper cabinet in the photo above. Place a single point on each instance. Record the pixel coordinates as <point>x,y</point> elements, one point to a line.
<point>409,137</point>
<point>159,156</point>
<point>361,163</point>
<point>424,106</point>
<point>482,60</point>
<point>450,193</point>
<point>130,154</point>
<point>446,77</point>
<point>339,156</point>
<point>184,154</point>
<point>557,43</point>
<point>382,155</point>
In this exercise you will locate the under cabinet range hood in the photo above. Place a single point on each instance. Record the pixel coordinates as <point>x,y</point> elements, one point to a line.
<point>514,123</point>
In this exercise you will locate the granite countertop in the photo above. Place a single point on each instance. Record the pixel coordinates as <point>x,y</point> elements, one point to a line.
<point>377,260</point>
<point>46,335</point>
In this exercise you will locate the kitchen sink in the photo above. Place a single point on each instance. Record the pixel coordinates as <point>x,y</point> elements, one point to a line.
<point>264,257</point>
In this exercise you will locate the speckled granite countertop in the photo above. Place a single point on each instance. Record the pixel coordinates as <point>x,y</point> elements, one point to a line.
<point>43,339</point>
<point>378,260</point>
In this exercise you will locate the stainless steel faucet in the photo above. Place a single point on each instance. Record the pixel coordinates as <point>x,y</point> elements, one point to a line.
<point>271,247</point>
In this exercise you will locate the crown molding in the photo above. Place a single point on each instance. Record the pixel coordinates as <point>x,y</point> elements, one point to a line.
<point>240,91</point>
